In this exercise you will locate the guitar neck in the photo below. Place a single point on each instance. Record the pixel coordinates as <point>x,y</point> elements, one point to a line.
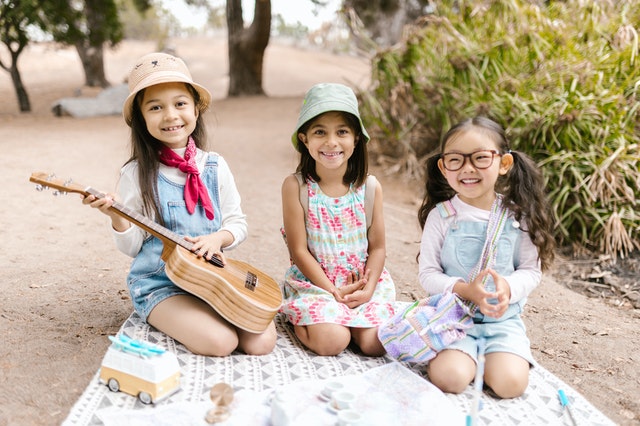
<point>168,237</point>
<point>155,229</point>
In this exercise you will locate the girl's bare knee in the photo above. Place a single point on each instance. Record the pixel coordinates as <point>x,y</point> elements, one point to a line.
<point>324,339</point>
<point>258,344</point>
<point>449,383</point>
<point>506,374</point>
<point>328,344</point>
<point>451,371</point>
<point>368,342</point>
<point>373,349</point>
<point>214,346</point>
<point>509,386</point>
<point>329,347</point>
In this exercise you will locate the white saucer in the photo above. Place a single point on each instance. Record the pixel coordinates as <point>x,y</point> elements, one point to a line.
<point>323,397</point>
<point>333,409</point>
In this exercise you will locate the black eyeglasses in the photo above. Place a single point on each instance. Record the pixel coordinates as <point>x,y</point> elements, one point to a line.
<point>454,161</point>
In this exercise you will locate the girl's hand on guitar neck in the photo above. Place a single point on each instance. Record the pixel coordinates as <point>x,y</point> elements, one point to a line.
<point>211,245</point>
<point>104,205</point>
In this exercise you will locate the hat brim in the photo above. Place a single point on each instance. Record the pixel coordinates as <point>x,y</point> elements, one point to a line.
<point>322,107</point>
<point>160,78</point>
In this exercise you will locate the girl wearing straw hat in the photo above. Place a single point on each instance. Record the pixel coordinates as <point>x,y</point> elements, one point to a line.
<point>170,178</point>
<point>337,288</point>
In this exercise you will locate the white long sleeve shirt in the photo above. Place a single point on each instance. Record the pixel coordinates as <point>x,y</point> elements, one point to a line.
<point>130,241</point>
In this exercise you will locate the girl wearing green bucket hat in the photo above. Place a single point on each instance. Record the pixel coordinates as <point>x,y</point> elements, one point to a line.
<point>337,288</point>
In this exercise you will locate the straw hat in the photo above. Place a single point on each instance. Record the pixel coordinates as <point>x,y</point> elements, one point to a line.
<point>325,97</point>
<point>156,68</point>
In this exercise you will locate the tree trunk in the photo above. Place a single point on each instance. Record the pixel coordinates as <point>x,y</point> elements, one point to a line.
<point>90,49</point>
<point>92,58</point>
<point>246,47</point>
<point>18,86</point>
<point>21,92</point>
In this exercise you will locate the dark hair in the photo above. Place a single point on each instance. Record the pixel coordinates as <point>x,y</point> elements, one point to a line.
<point>357,165</point>
<point>522,187</point>
<point>145,150</point>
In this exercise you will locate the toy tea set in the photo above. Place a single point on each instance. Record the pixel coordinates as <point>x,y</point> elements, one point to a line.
<point>339,401</point>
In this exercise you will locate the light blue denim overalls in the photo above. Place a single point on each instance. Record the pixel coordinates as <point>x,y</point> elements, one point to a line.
<point>461,250</point>
<point>147,281</point>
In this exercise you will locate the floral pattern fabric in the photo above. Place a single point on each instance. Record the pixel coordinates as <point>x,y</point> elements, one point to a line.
<point>337,238</point>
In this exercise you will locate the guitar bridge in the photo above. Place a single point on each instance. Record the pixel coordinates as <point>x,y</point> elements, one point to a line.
<point>251,281</point>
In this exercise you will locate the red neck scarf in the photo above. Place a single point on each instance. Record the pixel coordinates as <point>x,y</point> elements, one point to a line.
<point>194,188</point>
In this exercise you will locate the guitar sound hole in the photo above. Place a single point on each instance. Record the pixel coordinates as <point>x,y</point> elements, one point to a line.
<point>251,281</point>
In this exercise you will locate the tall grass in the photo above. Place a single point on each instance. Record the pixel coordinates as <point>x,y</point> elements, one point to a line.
<point>562,78</point>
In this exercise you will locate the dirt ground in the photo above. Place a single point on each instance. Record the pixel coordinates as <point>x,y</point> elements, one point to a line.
<point>63,281</point>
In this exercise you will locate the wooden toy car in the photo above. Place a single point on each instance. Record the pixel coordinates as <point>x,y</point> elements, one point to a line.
<point>140,369</point>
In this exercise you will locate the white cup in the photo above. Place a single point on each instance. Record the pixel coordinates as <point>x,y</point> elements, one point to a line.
<point>342,400</point>
<point>348,418</point>
<point>331,387</point>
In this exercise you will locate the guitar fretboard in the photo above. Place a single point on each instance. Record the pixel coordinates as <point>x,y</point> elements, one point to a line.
<point>150,226</point>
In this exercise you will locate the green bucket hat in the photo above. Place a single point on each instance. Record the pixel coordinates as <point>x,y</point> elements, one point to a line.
<point>325,97</point>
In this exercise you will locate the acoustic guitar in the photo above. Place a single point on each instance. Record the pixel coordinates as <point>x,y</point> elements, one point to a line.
<point>240,293</point>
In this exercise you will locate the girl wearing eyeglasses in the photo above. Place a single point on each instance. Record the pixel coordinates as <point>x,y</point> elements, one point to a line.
<point>473,172</point>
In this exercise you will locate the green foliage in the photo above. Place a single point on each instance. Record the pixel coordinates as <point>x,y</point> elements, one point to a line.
<point>92,22</point>
<point>142,24</point>
<point>15,19</point>
<point>563,79</point>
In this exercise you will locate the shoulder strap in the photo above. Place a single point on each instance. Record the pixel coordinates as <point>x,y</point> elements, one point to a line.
<point>446,209</point>
<point>497,220</point>
<point>369,196</point>
<point>304,195</point>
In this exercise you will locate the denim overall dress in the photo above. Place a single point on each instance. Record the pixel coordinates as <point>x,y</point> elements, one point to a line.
<point>461,251</point>
<point>147,281</point>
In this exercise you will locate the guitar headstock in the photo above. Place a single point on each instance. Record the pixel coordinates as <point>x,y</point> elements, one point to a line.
<point>49,180</point>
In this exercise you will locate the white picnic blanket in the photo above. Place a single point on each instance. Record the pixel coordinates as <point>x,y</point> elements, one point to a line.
<point>389,393</point>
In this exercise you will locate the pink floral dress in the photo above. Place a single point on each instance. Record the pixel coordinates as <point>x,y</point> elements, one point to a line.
<point>337,238</point>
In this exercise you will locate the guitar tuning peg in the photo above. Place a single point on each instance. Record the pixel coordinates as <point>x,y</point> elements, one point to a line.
<point>40,188</point>
<point>57,192</point>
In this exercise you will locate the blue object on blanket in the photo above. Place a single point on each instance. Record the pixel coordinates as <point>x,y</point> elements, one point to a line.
<point>565,404</point>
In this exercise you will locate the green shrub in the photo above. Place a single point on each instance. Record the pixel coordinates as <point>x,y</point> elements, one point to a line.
<point>563,79</point>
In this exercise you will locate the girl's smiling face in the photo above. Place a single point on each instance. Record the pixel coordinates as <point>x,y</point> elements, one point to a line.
<point>330,140</point>
<point>170,113</point>
<point>475,186</point>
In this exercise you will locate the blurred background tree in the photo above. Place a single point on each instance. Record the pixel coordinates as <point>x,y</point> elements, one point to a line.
<point>384,20</point>
<point>15,18</point>
<point>247,46</point>
<point>89,26</point>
